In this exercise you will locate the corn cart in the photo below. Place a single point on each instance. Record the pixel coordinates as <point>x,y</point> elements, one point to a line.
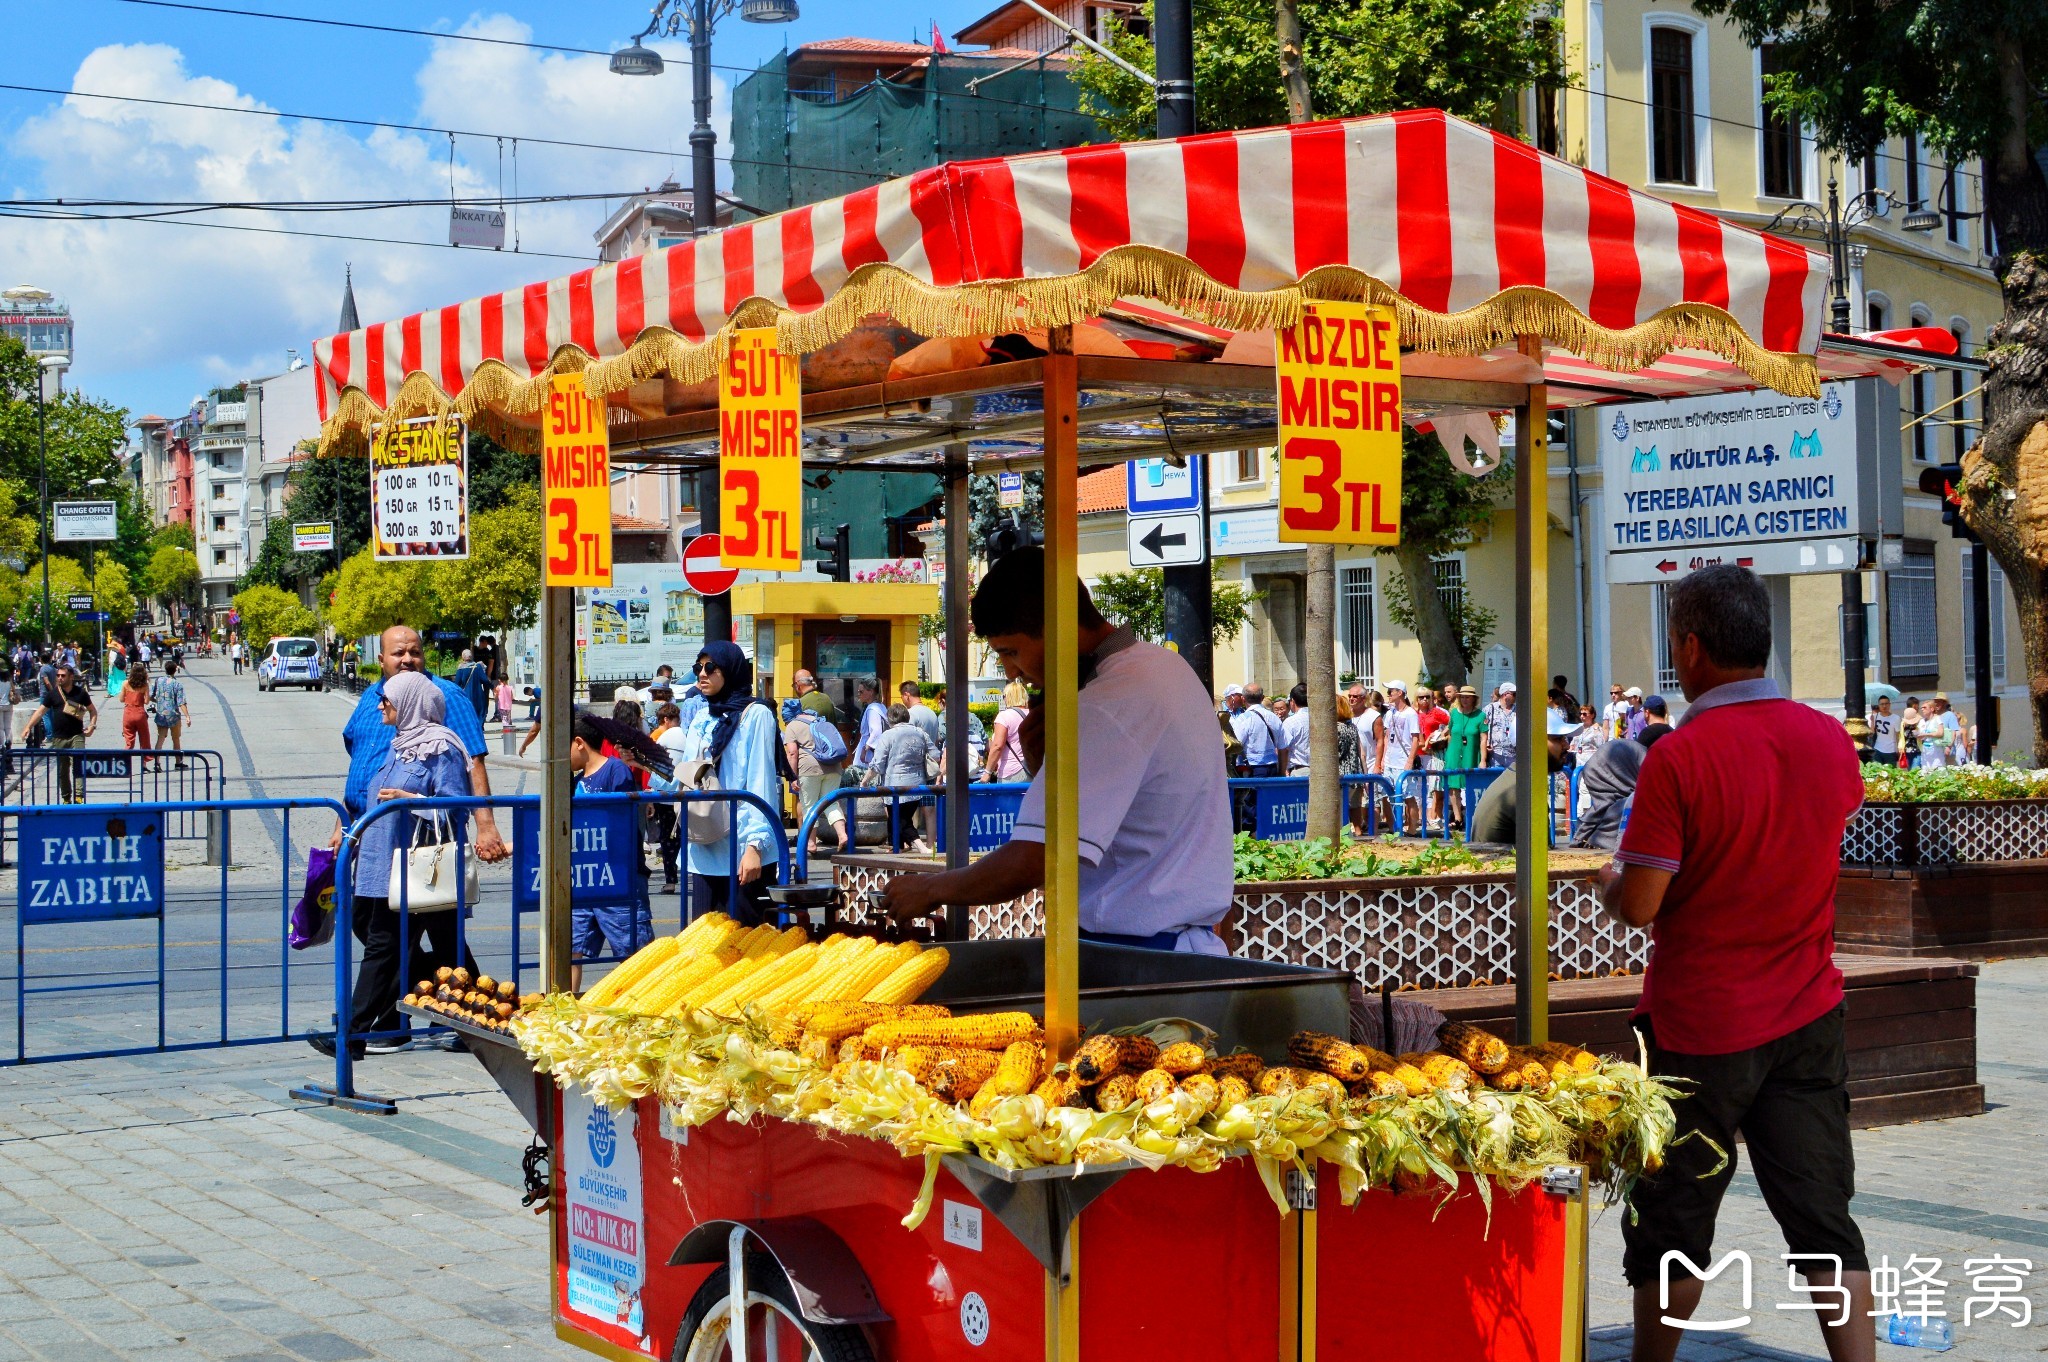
<point>1059,312</point>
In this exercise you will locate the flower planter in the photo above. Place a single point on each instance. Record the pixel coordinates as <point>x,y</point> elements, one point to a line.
<point>1964,878</point>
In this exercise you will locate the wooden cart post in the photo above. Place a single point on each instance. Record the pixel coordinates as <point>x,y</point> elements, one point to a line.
<point>1532,747</point>
<point>1062,784</point>
<point>557,705</point>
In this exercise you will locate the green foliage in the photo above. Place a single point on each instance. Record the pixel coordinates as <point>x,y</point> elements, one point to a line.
<point>1945,784</point>
<point>986,514</point>
<point>1442,508</point>
<point>370,596</point>
<point>269,613</point>
<point>1472,58</point>
<point>1472,623</point>
<point>176,535</point>
<point>112,590</point>
<point>1253,860</point>
<point>1138,599</point>
<point>173,572</point>
<point>17,531</point>
<point>21,595</point>
<point>83,433</point>
<point>498,586</point>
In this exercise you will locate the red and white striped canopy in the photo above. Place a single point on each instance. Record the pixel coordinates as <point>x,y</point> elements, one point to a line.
<point>1473,235</point>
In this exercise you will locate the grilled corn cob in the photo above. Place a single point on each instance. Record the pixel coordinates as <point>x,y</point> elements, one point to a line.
<point>1018,1073</point>
<point>1279,1080</point>
<point>1101,1056</point>
<point>1244,1064</point>
<point>1535,1072</point>
<point>1116,1092</point>
<point>1328,1054</point>
<point>631,971</point>
<point>1412,1080</point>
<point>1378,1083</point>
<point>1445,1071</point>
<point>983,1104</point>
<point>1484,1051</point>
<point>1204,1089</point>
<point>1182,1058</point>
<point>908,981</point>
<point>1230,1090</point>
<point>836,1021</point>
<point>1584,1061</point>
<point>1060,1090</point>
<point>1329,1085</point>
<point>916,1060</point>
<point>822,1052</point>
<point>991,1031</point>
<point>1155,1085</point>
<point>960,1074</point>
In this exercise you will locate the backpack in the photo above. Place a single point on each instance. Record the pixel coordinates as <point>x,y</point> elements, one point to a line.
<point>827,743</point>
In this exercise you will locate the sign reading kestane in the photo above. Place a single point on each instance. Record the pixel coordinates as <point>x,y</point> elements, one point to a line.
<point>1748,478</point>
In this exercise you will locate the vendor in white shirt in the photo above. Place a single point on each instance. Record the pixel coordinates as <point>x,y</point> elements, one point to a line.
<point>1155,840</point>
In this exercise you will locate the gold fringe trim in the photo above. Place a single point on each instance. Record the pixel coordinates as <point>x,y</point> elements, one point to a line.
<point>495,391</point>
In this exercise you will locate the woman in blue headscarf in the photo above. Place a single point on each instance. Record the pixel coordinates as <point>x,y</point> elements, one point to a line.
<point>735,730</point>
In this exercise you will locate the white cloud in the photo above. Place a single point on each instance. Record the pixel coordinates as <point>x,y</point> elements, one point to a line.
<point>170,305</point>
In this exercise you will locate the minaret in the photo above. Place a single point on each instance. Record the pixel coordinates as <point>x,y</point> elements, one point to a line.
<point>349,320</point>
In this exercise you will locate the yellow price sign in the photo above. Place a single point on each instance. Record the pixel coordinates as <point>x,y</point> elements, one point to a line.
<point>1339,373</point>
<point>576,479</point>
<point>760,455</point>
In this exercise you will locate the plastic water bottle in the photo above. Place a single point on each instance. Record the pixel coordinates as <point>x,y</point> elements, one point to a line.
<point>1912,1331</point>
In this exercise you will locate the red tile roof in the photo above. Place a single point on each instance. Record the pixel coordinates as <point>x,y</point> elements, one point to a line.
<point>1102,490</point>
<point>635,525</point>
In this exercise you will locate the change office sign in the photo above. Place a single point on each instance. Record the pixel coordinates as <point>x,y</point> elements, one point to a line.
<point>74,522</point>
<point>90,867</point>
<point>1773,483</point>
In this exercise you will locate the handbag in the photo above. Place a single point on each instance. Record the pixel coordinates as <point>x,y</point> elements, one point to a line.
<point>709,820</point>
<point>312,920</point>
<point>426,870</point>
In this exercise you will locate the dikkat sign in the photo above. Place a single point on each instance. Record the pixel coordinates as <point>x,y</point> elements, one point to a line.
<point>1746,478</point>
<point>576,477</point>
<point>419,489</point>
<point>1339,375</point>
<point>760,455</point>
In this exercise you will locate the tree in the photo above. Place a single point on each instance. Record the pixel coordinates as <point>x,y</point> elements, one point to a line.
<point>21,596</point>
<point>173,574</point>
<point>1364,56</point>
<point>1440,509</point>
<point>1137,599</point>
<point>112,590</point>
<point>1965,75</point>
<point>177,535</point>
<point>83,433</point>
<point>1471,624</point>
<point>369,597</point>
<point>986,514</point>
<point>269,613</point>
<point>498,585</point>
<point>17,531</point>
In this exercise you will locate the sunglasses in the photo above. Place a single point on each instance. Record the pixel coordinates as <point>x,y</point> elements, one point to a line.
<point>704,668</point>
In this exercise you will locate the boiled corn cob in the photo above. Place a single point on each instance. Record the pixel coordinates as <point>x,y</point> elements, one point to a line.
<point>908,981</point>
<point>874,967</point>
<point>1182,1058</point>
<point>1484,1051</point>
<point>699,933</point>
<point>1019,1070</point>
<point>660,981</point>
<point>675,988</point>
<point>631,971</point>
<point>1328,1054</point>
<point>716,993</point>
<point>836,1021</point>
<point>797,990</point>
<point>1116,1092</point>
<point>785,966</point>
<point>762,940</point>
<point>823,984</point>
<point>1101,1056</point>
<point>990,1031</point>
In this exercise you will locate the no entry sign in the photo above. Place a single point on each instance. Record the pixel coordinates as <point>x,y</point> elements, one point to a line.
<point>702,569</point>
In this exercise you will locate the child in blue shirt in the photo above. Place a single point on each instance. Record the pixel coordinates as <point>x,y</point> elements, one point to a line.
<point>624,927</point>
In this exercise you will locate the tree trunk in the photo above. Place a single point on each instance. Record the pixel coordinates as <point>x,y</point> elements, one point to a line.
<point>1293,74</point>
<point>1442,653</point>
<point>2005,477</point>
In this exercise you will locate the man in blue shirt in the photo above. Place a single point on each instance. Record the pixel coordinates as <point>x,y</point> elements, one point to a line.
<point>368,739</point>
<point>473,679</point>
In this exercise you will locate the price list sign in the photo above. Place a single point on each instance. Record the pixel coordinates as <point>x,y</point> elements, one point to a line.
<point>760,455</point>
<point>1339,372</point>
<point>419,489</point>
<point>576,474</point>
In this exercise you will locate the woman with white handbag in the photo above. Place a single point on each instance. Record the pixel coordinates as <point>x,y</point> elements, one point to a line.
<point>421,859</point>
<point>731,743</point>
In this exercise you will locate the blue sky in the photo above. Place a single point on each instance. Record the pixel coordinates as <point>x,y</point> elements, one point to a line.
<point>164,312</point>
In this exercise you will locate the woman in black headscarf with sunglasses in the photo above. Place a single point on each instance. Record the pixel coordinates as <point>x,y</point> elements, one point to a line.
<point>737,732</point>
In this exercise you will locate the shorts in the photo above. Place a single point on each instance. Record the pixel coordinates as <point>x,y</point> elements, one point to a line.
<point>624,927</point>
<point>1790,1100</point>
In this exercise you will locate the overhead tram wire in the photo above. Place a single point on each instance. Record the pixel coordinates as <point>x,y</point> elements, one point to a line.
<point>7,211</point>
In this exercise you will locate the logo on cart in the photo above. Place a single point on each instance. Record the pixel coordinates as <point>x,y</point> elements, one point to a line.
<point>974,1319</point>
<point>604,1137</point>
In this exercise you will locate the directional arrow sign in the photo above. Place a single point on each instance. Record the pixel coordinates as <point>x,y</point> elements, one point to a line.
<point>1167,540</point>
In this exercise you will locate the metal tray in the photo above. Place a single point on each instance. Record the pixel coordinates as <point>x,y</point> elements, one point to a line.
<point>500,1055</point>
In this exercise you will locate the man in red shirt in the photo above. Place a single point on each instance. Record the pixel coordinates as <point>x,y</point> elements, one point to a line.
<point>1730,860</point>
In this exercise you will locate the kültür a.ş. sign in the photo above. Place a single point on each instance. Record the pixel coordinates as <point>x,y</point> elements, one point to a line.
<point>576,477</point>
<point>1339,373</point>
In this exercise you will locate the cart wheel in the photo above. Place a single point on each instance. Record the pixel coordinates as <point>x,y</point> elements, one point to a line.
<point>771,1306</point>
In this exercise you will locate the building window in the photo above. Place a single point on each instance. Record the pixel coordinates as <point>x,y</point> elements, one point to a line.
<point>1450,585</point>
<point>1873,171</point>
<point>1873,316</point>
<point>220,523</point>
<point>1970,618</point>
<point>1354,604</point>
<point>1674,155</point>
<point>220,491</point>
<point>1784,155</point>
<point>1548,138</point>
<point>1912,170</point>
<point>220,557</point>
<point>1915,631</point>
<point>1919,397</point>
<point>1248,466</point>
<point>1660,633</point>
<point>216,459</point>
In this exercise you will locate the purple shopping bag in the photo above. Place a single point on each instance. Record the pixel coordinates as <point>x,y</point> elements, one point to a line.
<point>313,915</point>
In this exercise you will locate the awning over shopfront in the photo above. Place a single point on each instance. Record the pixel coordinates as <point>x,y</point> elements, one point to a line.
<point>1174,260</point>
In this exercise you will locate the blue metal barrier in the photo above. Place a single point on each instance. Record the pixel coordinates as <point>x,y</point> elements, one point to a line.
<point>41,903</point>
<point>1415,786</point>
<point>343,1092</point>
<point>113,775</point>
<point>897,797</point>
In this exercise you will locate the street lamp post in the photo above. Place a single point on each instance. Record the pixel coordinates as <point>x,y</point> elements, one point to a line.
<point>1834,225</point>
<point>51,371</point>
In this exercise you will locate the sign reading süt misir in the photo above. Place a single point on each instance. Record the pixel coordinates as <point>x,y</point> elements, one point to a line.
<point>1339,372</point>
<point>576,473</point>
<point>760,455</point>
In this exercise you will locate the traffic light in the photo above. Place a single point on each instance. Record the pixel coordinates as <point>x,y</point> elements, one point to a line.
<point>1945,482</point>
<point>837,545</point>
<point>1011,536</point>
